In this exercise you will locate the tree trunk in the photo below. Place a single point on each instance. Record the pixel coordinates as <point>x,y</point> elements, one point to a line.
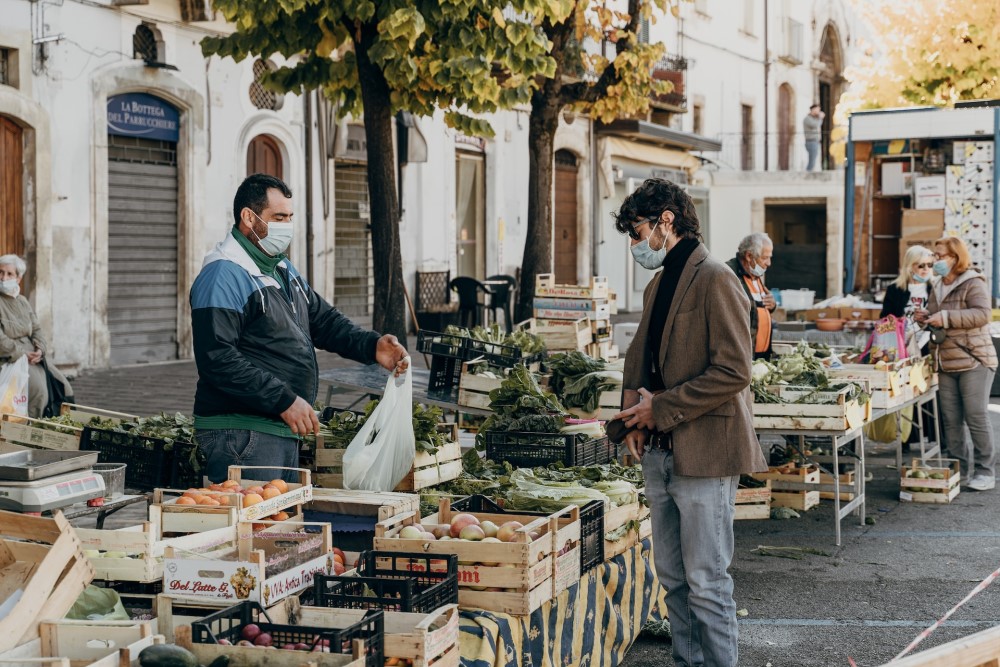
<point>538,245</point>
<point>389,316</point>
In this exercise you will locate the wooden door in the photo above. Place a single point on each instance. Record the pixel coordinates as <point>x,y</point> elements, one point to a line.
<point>11,188</point>
<point>264,157</point>
<point>565,243</point>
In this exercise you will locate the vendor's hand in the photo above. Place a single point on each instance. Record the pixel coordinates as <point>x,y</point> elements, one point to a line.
<point>936,320</point>
<point>636,443</point>
<point>301,417</point>
<point>921,315</point>
<point>392,356</point>
<point>639,415</point>
<point>34,357</point>
<point>769,301</point>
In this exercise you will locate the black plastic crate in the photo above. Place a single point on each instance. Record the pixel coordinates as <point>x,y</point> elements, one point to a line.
<point>228,624</point>
<point>151,462</point>
<point>441,344</point>
<point>409,582</point>
<point>445,373</point>
<point>530,450</point>
<point>497,354</point>
<point>591,525</point>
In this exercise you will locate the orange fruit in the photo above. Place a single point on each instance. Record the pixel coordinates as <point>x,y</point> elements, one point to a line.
<point>337,558</point>
<point>204,500</point>
<point>225,500</point>
<point>270,492</point>
<point>260,526</point>
<point>280,516</point>
<point>280,484</point>
<point>251,499</point>
<point>192,493</point>
<point>186,500</point>
<point>259,490</point>
<point>230,484</point>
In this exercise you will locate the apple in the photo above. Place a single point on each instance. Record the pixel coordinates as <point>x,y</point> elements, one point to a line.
<point>250,631</point>
<point>460,521</point>
<point>472,533</point>
<point>301,647</point>
<point>244,642</point>
<point>263,639</point>
<point>429,536</point>
<point>489,528</point>
<point>507,531</point>
<point>493,540</point>
<point>411,533</point>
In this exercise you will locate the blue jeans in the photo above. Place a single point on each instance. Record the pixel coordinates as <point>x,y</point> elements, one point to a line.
<point>812,149</point>
<point>239,447</point>
<point>693,547</point>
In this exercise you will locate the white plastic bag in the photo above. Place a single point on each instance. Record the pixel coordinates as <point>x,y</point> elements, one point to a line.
<point>382,452</point>
<point>14,385</point>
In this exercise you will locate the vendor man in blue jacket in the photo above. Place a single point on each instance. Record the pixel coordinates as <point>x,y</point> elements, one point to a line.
<point>256,324</point>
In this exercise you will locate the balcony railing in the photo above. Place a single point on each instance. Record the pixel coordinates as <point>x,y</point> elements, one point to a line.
<point>746,152</point>
<point>674,70</point>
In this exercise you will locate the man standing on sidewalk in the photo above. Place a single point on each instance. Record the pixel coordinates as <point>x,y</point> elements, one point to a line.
<point>256,324</point>
<point>812,127</point>
<point>687,404</point>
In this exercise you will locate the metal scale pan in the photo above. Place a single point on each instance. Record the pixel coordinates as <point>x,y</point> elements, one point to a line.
<point>35,464</point>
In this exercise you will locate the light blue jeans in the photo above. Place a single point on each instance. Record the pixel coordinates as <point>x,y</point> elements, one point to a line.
<point>693,546</point>
<point>812,150</point>
<point>239,447</point>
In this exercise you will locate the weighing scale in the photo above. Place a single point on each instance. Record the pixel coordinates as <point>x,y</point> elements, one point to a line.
<point>42,480</point>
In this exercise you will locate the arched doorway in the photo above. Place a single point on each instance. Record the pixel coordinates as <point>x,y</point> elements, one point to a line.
<point>786,126</point>
<point>831,82</point>
<point>11,187</point>
<point>264,157</point>
<point>564,245</point>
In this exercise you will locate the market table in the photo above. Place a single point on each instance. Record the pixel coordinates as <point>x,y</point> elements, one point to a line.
<point>920,405</point>
<point>838,439</point>
<point>372,379</point>
<point>592,623</point>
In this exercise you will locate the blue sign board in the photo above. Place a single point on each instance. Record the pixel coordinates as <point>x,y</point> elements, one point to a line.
<point>142,115</point>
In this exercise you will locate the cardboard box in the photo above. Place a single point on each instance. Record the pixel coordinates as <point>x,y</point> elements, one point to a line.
<point>860,314</point>
<point>966,152</point>
<point>922,225</point>
<point>896,179</point>
<point>813,314</point>
<point>929,192</point>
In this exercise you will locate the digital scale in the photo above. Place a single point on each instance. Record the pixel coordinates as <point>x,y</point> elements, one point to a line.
<point>40,480</point>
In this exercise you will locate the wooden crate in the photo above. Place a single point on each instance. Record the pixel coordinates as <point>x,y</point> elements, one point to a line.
<point>609,404</point>
<point>142,548</point>
<point>545,285</point>
<point>83,414</point>
<point>39,434</point>
<point>789,472</point>
<point>635,513</point>
<point>474,390</point>
<point>632,538</point>
<point>843,415</point>
<point>428,469</point>
<point>364,503</point>
<point>796,500</point>
<point>423,639</point>
<point>297,494</point>
<point>71,643</point>
<point>979,650</point>
<point>173,612</point>
<point>172,519</point>
<point>935,491</point>
<point>886,382</point>
<point>597,312</point>
<point>606,350</point>
<point>43,559</point>
<point>260,566</point>
<point>519,572</point>
<point>566,335</point>
<point>753,503</point>
<point>847,479</point>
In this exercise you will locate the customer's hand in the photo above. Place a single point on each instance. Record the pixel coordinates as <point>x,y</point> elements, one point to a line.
<point>392,356</point>
<point>34,357</point>
<point>301,417</point>
<point>769,301</point>
<point>639,415</point>
<point>636,443</point>
<point>936,320</point>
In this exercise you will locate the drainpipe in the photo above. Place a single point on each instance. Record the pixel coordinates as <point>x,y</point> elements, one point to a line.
<point>597,238</point>
<point>767,115</point>
<point>307,103</point>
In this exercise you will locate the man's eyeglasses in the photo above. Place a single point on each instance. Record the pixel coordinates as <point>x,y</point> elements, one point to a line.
<point>631,229</point>
<point>929,265</point>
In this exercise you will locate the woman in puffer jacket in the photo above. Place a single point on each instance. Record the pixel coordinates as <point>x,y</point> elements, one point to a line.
<point>959,303</point>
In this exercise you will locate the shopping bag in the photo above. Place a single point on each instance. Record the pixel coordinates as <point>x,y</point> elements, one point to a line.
<point>14,385</point>
<point>382,452</point>
<point>884,429</point>
<point>887,342</point>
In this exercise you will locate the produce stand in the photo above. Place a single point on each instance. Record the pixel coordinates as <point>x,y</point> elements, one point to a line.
<point>371,380</point>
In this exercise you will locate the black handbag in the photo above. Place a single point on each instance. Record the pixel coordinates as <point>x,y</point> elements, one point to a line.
<point>57,393</point>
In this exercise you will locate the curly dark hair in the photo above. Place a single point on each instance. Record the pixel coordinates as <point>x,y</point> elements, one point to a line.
<point>651,199</point>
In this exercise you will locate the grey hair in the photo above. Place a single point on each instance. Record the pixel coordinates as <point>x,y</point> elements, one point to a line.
<point>754,244</point>
<point>16,262</point>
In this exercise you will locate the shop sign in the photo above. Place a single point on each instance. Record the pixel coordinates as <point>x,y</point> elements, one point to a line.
<point>142,115</point>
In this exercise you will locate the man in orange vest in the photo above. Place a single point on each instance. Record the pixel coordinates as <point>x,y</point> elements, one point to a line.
<point>753,258</point>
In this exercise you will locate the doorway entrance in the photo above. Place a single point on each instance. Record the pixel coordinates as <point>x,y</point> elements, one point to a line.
<point>565,245</point>
<point>798,231</point>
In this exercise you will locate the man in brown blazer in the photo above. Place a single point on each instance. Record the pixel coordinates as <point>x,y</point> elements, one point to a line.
<point>687,404</point>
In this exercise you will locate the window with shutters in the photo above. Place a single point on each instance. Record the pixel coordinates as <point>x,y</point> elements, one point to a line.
<point>262,97</point>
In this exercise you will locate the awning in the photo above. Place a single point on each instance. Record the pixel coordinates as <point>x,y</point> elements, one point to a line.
<point>612,147</point>
<point>660,135</point>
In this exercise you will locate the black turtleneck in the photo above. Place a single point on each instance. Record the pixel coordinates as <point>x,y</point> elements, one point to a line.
<point>673,266</point>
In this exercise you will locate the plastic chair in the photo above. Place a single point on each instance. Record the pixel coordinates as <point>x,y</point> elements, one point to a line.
<point>502,298</point>
<point>435,309</point>
<point>471,308</point>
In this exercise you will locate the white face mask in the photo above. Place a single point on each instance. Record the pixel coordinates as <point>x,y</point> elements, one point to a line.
<point>279,236</point>
<point>10,287</point>
<point>758,270</point>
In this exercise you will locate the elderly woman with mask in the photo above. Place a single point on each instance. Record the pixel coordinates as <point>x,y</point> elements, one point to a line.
<point>20,334</point>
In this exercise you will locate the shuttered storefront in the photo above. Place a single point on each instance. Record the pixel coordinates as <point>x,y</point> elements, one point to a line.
<point>353,291</point>
<point>142,250</point>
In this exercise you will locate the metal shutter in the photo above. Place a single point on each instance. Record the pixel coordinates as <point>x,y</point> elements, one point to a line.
<point>354,290</point>
<point>142,250</point>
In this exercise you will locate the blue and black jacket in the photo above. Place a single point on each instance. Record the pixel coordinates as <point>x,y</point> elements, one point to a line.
<point>254,340</point>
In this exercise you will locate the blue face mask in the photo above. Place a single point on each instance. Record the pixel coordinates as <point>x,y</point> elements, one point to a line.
<point>647,257</point>
<point>942,267</point>
<point>917,278</point>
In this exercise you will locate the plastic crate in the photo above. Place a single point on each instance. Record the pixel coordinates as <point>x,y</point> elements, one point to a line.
<point>228,624</point>
<point>441,344</point>
<point>445,373</point>
<point>150,464</point>
<point>591,525</point>
<point>530,450</point>
<point>505,356</point>
<point>408,582</point>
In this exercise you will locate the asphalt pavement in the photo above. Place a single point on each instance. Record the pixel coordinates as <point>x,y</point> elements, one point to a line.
<point>864,600</point>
